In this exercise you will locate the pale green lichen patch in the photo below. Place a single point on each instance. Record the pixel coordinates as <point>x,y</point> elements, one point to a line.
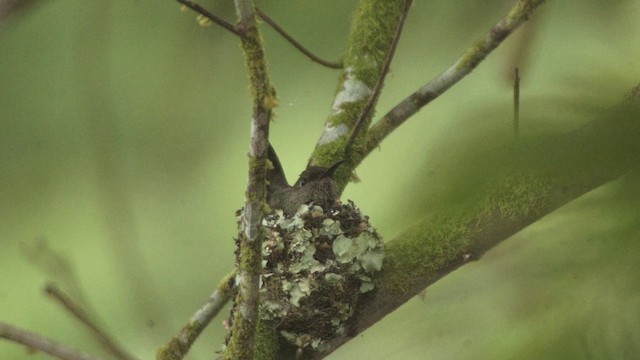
<point>316,264</point>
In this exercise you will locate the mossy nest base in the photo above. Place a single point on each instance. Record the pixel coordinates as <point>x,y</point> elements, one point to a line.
<point>315,265</point>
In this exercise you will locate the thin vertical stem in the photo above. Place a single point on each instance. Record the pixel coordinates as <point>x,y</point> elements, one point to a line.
<point>516,103</point>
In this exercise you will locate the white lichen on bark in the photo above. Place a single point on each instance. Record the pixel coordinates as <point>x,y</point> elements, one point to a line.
<point>353,89</point>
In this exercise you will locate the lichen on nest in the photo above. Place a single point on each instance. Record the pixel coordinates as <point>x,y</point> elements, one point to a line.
<point>315,266</point>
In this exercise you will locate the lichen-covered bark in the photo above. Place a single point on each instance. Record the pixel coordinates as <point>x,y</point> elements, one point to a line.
<point>373,28</point>
<point>241,344</point>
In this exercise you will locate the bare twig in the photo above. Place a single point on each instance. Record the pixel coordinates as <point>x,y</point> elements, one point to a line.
<point>463,66</point>
<point>296,43</point>
<point>204,12</point>
<point>180,344</point>
<point>516,103</point>
<point>228,26</point>
<point>76,310</point>
<point>378,87</point>
<point>40,343</point>
<point>55,265</point>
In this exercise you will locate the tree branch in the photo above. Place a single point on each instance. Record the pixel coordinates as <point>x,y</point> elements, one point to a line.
<point>548,173</point>
<point>178,347</point>
<point>229,27</point>
<point>108,343</point>
<point>375,23</point>
<point>40,343</point>
<point>516,102</point>
<point>296,43</point>
<point>204,12</point>
<point>245,317</point>
<point>378,87</point>
<point>463,66</point>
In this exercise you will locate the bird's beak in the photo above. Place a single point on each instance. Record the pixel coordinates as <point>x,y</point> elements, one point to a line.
<point>330,171</point>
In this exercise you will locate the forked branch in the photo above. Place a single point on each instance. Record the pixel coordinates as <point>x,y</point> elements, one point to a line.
<point>106,340</point>
<point>234,30</point>
<point>441,83</point>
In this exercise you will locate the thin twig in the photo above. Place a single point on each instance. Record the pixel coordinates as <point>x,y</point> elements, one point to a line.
<point>516,103</point>
<point>81,315</point>
<point>40,343</point>
<point>463,66</point>
<point>378,87</point>
<point>204,12</point>
<point>180,344</point>
<point>296,43</point>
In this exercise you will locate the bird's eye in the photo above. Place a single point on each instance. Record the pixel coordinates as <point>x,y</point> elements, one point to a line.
<point>302,182</point>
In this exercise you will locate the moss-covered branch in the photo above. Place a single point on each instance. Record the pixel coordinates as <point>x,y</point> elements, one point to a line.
<point>373,28</point>
<point>539,176</point>
<point>521,12</point>
<point>245,317</point>
<point>178,347</point>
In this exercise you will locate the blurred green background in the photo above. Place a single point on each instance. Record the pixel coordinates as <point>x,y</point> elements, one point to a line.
<point>123,138</point>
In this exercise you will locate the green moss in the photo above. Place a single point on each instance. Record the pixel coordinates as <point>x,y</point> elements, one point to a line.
<point>175,349</point>
<point>250,255</point>
<point>424,250</point>
<point>372,31</point>
<point>440,241</point>
<point>243,334</point>
<point>253,48</point>
<point>267,343</point>
<point>227,285</point>
<point>519,195</point>
<point>471,57</point>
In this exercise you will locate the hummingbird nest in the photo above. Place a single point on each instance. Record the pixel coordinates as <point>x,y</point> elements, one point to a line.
<point>315,266</point>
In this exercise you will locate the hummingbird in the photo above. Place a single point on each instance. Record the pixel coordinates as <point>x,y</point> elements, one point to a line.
<point>315,184</point>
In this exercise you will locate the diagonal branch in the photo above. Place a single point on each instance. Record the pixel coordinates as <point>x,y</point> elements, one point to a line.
<point>107,342</point>
<point>374,26</point>
<point>463,66</point>
<point>296,43</point>
<point>231,28</point>
<point>40,343</point>
<point>549,172</point>
<point>204,12</point>
<point>178,347</point>
<point>378,87</point>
